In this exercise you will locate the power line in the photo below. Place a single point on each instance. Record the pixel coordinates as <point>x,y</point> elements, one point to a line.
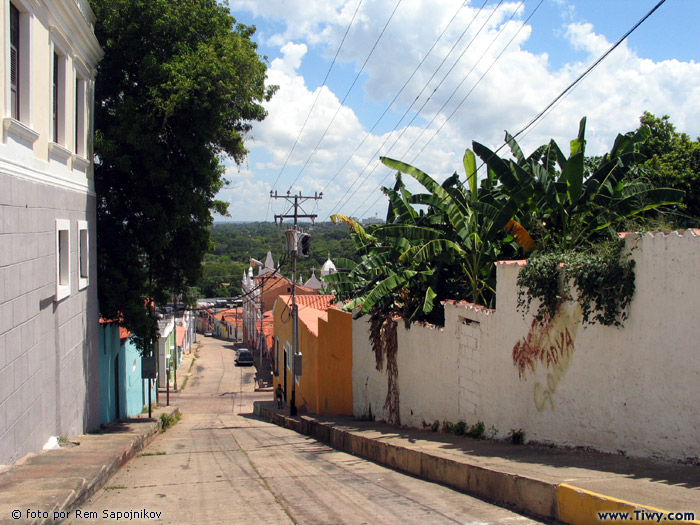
<point>347,30</point>
<point>451,95</point>
<point>346,94</point>
<point>564,93</point>
<point>585,73</point>
<point>339,201</point>
<point>318,93</point>
<point>368,133</point>
<point>475,84</point>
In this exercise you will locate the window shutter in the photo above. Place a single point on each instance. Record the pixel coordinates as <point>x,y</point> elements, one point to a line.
<point>14,61</point>
<point>55,97</point>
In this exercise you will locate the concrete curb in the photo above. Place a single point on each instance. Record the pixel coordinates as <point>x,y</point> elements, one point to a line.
<point>560,502</point>
<point>582,507</point>
<point>58,481</point>
<point>110,469</point>
<point>527,495</point>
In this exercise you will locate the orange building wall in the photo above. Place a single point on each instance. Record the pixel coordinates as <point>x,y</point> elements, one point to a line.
<point>283,333</point>
<point>325,386</point>
<point>335,367</point>
<point>307,392</point>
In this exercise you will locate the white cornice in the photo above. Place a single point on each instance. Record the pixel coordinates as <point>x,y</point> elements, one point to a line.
<point>61,39</point>
<point>24,172</point>
<point>29,5</point>
<point>16,128</point>
<point>59,152</point>
<point>69,16</point>
<point>80,162</point>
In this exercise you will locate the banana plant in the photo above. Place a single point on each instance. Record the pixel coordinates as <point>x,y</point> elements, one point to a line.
<point>568,206</point>
<point>379,281</point>
<point>443,243</point>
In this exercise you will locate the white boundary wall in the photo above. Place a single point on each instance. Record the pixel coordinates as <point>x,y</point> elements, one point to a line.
<point>634,389</point>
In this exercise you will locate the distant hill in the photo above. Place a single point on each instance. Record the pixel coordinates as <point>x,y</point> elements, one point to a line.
<point>236,243</point>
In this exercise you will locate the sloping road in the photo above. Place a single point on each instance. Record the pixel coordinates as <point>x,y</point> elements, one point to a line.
<point>220,464</point>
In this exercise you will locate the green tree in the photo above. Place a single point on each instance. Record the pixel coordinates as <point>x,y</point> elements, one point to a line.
<point>443,244</point>
<point>177,91</point>
<point>672,159</point>
<point>562,204</point>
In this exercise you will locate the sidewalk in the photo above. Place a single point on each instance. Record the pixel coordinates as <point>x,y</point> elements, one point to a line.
<point>44,486</point>
<point>569,486</point>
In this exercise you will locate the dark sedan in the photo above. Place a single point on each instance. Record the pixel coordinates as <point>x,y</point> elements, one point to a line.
<point>244,357</point>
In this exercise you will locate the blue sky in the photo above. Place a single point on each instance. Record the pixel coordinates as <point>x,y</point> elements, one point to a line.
<point>513,59</point>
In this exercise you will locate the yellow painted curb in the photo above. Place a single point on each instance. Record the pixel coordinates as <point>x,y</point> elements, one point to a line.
<point>578,506</point>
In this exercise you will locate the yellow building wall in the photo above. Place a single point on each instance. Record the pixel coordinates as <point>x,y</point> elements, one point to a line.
<point>325,386</point>
<point>283,337</point>
<point>335,364</point>
<point>307,391</point>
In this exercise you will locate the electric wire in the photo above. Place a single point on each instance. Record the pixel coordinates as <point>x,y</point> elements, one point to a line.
<point>368,133</point>
<point>318,93</point>
<point>493,41</point>
<point>418,111</point>
<point>566,91</point>
<point>313,152</point>
<point>474,86</point>
<point>571,86</point>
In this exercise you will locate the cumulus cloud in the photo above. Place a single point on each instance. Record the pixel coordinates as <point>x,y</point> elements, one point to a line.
<point>495,83</point>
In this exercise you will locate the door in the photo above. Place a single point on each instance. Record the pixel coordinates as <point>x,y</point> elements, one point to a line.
<point>117,408</point>
<point>284,373</point>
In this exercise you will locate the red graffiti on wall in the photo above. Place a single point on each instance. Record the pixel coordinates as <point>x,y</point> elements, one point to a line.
<point>536,347</point>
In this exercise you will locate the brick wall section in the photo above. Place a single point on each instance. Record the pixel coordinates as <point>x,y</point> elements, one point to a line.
<point>469,365</point>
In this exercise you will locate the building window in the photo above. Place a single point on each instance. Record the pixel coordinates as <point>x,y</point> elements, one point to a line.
<point>14,62</point>
<point>80,116</point>
<point>83,255</point>
<point>62,259</point>
<point>20,65</point>
<point>59,99</point>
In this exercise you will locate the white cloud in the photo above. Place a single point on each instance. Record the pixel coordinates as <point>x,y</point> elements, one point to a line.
<point>516,87</point>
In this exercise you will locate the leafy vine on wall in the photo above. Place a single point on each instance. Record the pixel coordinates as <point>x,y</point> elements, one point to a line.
<point>603,277</point>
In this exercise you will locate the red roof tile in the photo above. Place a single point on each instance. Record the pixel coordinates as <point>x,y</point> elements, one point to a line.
<point>310,308</point>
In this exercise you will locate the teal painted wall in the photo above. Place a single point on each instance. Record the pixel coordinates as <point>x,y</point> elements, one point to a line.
<point>108,337</point>
<point>130,399</point>
<point>135,389</point>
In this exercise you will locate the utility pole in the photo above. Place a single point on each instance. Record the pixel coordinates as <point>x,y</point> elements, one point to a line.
<point>295,202</point>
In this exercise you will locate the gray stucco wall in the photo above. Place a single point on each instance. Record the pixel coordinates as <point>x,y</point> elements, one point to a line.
<point>48,349</point>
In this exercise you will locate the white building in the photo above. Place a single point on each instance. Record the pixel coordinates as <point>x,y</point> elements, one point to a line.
<point>48,286</point>
<point>328,268</point>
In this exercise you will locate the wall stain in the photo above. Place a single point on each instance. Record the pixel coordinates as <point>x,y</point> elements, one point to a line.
<point>564,351</point>
<point>552,344</point>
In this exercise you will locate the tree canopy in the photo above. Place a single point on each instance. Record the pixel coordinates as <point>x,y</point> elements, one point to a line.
<point>236,243</point>
<point>672,159</point>
<point>177,91</point>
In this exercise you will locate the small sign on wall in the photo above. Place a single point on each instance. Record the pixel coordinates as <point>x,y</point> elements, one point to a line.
<point>148,367</point>
<point>297,365</point>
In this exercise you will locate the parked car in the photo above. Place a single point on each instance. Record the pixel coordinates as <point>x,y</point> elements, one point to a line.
<point>244,357</point>
<point>207,334</point>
